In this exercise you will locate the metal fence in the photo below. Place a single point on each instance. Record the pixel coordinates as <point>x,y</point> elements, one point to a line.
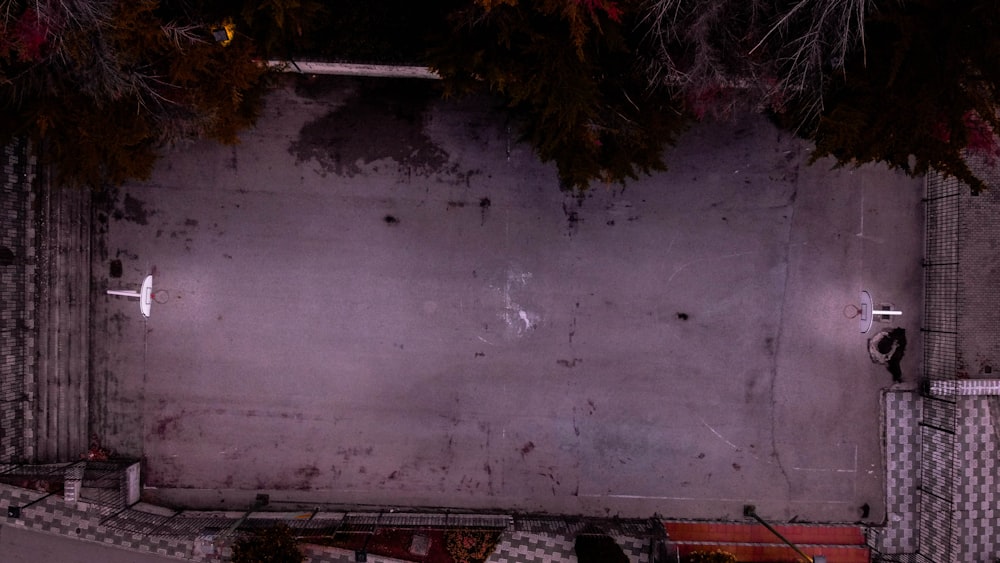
<point>936,472</point>
<point>17,291</point>
<point>942,208</point>
<point>47,477</point>
<point>154,521</point>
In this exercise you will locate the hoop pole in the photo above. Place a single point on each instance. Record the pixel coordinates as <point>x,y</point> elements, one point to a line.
<point>124,293</point>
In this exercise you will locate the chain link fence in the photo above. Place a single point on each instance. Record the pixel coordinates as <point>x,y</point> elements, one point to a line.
<point>936,486</point>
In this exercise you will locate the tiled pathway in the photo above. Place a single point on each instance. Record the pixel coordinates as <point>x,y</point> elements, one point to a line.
<point>975,519</point>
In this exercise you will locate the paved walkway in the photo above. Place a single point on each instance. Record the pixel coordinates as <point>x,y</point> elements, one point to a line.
<point>52,517</point>
<point>971,519</point>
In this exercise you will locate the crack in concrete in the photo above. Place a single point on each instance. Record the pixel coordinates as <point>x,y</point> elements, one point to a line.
<point>778,336</point>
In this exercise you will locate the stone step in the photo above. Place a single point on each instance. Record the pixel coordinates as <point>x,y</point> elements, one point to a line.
<point>63,324</point>
<point>780,553</point>
<point>753,542</point>
<point>755,533</point>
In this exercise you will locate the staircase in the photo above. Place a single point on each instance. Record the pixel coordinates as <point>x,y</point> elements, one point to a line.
<point>17,303</point>
<point>61,413</point>
<point>754,543</point>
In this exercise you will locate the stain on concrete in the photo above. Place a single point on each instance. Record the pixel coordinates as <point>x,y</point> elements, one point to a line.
<point>392,115</point>
<point>304,477</point>
<point>122,253</point>
<point>527,448</point>
<point>348,453</point>
<point>572,219</point>
<point>484,208</point>
<point>752,388</point>
<point>167,426</point>
<point>133,210</point>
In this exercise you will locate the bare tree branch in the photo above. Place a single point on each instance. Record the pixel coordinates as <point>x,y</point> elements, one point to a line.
<point>762,54</point>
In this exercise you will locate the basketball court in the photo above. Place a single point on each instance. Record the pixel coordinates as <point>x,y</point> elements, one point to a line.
<point>381,298</point>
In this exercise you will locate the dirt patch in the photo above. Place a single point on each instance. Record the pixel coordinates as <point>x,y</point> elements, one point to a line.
<point>384,119</point>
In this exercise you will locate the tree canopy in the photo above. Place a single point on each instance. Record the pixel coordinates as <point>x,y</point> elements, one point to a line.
<point>599,87</point>
<point>567,69</point>
<point>602,86</point>
<point>924,93</point>
<point>912,84</point>
<point>721,56</point>
<point>98,85</point>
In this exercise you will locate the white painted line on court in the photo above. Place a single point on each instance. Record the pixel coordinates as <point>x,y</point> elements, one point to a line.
<point>683,266</point>
<point>721,437</point>
<point>706,499</point>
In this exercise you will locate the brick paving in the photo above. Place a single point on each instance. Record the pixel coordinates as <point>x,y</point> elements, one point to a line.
<point>902,415</point>
<point>979,292</point>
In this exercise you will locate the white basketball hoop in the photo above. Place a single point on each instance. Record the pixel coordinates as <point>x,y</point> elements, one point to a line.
<point>868,312</point>
<point>144,295</point>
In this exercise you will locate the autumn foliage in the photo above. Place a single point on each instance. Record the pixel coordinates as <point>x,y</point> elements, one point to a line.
<point>923,95</point>
<point>599,87</point>
<point>100,85</point>
<point>567,71</point>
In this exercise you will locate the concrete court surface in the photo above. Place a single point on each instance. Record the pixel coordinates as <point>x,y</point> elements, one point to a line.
<point>383,298</point>
<point>25,546</point>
